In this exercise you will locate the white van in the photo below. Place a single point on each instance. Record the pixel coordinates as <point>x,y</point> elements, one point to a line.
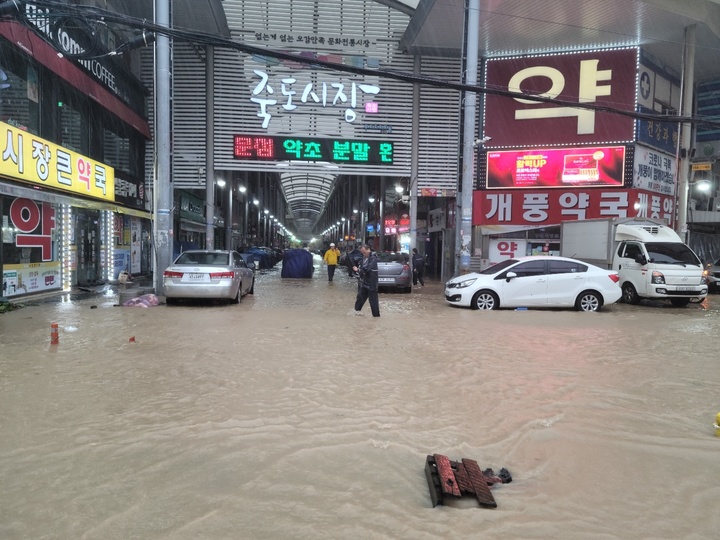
<point>653,262</point>
<point>651,259</point>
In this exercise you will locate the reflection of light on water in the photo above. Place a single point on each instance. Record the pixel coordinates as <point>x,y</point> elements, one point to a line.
<point>705,328</point>
<point>548,422</point>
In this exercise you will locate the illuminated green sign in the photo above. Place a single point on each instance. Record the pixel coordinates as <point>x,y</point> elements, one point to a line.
<point>289,148</point>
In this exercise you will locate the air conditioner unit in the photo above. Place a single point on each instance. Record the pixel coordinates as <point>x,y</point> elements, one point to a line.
<point>405,198</point>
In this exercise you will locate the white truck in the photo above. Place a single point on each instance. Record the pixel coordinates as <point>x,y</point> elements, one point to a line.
<point>651,259</point>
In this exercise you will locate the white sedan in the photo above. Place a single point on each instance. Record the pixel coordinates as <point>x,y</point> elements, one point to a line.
<point>208,274</point>
<point>534,282</point>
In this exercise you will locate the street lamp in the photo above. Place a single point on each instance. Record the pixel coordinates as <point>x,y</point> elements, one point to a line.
<point>265,227</point>
<point>704,185</point>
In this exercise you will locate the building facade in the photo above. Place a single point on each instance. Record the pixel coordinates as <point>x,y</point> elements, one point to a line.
<point>72,140</point>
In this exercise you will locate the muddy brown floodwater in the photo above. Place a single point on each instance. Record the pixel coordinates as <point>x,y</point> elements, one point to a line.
<point>284,417</point>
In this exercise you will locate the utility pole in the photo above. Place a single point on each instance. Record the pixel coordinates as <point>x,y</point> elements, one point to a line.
<point>162,189</point>
<point>463,219</point>
<point>683,185</point>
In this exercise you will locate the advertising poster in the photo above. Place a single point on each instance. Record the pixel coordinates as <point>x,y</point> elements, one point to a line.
<point>121,261</point>
<point>654,171</point>
<point>135,243</point>
<point>556,168</point>
<point>30,278</point>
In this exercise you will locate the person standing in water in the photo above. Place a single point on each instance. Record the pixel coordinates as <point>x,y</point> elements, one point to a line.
<point>367,281</point>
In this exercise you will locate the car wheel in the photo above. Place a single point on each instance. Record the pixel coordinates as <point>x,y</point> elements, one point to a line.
<point>252,287</point>
<point>238,296</point>
<point>485,300</point>
<point>679,302</point>
<point>588,301</point>
<point>629,294</point>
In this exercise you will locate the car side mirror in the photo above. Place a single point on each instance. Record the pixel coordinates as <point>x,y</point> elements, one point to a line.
<point>251,265</point>
<point>509,276</point>
<point>640,259</point>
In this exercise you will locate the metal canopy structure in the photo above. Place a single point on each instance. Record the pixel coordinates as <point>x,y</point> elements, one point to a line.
<point>507,27</point>
<point>306,195</point>
<point>515,27</point>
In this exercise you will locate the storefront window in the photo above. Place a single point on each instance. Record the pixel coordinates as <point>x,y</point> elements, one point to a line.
<point>73,127</point>
<point>29,247</point>
<point>19,92</point>
<point>116,151</point>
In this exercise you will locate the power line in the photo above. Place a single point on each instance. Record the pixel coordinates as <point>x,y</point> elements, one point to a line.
<point>65,12</point>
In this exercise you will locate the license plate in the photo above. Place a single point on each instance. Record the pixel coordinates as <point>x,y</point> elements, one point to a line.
<point>685,288</point>
<point>196,277</point>
<point>386,280</point>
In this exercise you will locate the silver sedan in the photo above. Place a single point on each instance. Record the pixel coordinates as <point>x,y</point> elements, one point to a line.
<point>208,274</point>
<point>394,270</point>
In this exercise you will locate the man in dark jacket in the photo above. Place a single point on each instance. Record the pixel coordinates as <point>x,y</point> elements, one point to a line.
<point>418,264</point>
<point>367,281</point>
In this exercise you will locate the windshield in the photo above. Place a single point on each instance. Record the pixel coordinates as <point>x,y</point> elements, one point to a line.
<point>199,257</point>
<point>671,253</point>
<point>499,267</point>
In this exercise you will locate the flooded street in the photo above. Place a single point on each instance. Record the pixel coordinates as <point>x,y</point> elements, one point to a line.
<point>285,417</point>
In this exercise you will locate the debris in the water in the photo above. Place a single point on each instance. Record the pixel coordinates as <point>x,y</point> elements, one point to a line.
<point>456,479</point>
<point>146,300</point>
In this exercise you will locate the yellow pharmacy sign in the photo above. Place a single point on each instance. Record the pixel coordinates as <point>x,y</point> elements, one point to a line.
<point>707,166</point>
<point>25,156</point>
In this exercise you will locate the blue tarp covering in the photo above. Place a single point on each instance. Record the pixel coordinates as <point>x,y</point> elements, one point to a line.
<point>297,263</point>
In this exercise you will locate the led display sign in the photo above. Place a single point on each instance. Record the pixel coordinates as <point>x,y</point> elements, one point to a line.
<point>556,168</point>
<point>290,148</point>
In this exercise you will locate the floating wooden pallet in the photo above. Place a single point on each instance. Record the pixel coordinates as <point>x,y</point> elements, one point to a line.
<point>456,479</point>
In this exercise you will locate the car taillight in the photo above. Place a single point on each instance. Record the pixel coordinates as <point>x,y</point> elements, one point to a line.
<point>170,274</point>
<point>220,275</point>
<point>406,267</point>
<point>615,277</point>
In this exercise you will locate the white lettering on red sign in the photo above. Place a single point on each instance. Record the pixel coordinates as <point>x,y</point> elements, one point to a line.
<point>27,217</point>
<point>574,204</point>
<point>535,206</point>
<point>589,91</point>
<point>614,204</point>
<point>500,206</point>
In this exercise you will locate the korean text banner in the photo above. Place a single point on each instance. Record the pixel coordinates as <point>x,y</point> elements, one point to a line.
<point>25,156</point>
<point>544,208</point>
<point>605,79</point>
<point>556,168</point>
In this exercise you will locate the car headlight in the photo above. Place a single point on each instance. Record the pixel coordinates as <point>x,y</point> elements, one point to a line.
<point>461,284</point>
<point>657,278</point>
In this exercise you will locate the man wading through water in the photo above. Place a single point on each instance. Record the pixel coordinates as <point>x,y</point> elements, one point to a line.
<point>331,259</point>
<point>367,281</point>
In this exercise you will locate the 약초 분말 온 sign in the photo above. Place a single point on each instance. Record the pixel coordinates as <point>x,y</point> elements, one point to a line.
<point>290,148</point>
